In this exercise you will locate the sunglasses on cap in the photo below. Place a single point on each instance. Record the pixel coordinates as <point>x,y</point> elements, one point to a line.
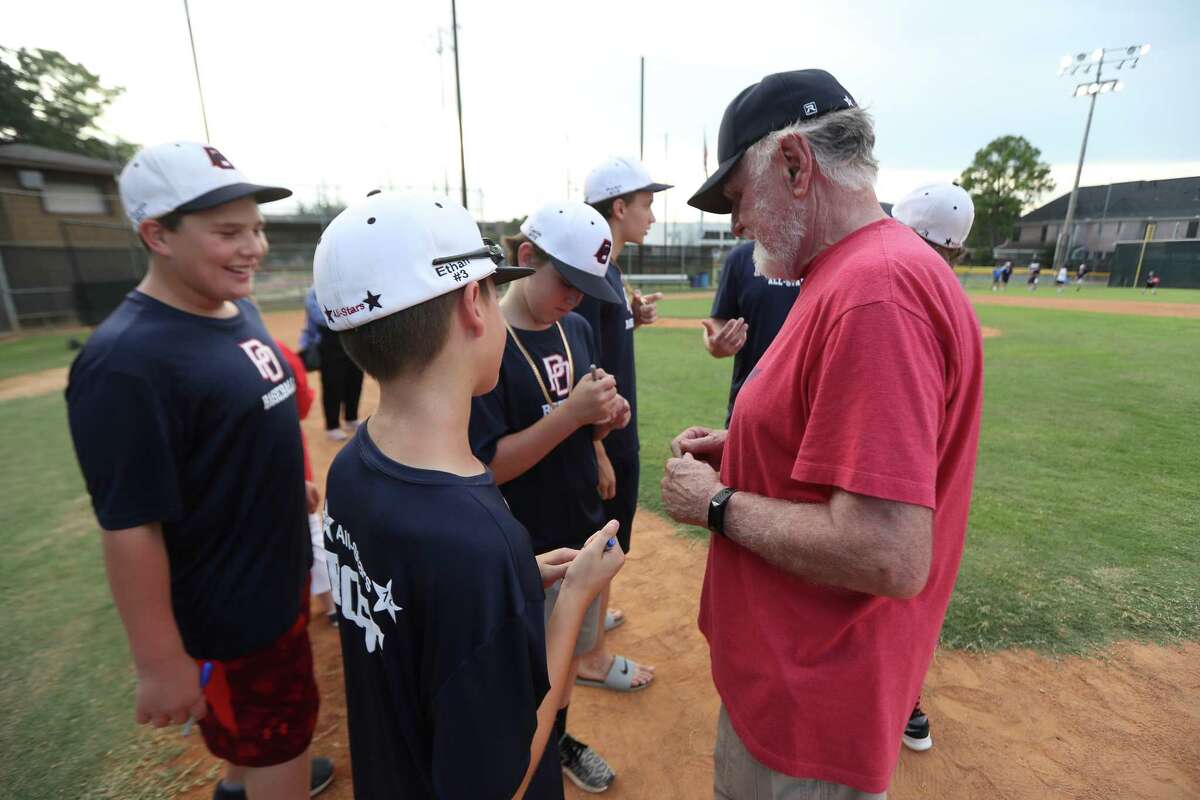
<point>489,250</point>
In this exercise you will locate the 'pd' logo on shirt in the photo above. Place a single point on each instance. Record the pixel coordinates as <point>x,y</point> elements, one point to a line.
<point>264,358</point>
<point>218,160</point>
<point>559,370</point>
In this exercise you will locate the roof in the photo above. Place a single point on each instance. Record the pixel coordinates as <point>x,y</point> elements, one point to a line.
<point>1177,197</point>
<point>37,157</point>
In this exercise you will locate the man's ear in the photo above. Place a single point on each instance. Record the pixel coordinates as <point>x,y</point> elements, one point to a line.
<point>154,235</point>
<point>797,155</point>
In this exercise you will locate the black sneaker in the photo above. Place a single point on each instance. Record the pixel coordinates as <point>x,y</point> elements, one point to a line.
<point>320,776</point>
<point>916,732</point>
<point>583,765</point>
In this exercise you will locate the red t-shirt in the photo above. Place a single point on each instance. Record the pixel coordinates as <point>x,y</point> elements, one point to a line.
<point>873,385</point>
<point>304,397</point>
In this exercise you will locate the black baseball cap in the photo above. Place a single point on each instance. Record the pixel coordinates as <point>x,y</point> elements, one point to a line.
<point>772,104</point>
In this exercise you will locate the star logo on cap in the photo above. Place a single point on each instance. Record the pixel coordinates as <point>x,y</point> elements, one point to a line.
<point>372,300</point>
<point>849,102</point>
<point>329,316</point>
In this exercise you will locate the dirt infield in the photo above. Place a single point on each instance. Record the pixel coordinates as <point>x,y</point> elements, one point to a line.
<point>33,383</point>
<point>1144,308</point>
<point>1008,725</point>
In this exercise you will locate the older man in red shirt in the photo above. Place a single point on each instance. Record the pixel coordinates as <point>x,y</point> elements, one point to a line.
<point>839,495</point>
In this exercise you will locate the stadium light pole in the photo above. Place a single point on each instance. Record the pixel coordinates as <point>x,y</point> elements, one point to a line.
<point>1084,62</point>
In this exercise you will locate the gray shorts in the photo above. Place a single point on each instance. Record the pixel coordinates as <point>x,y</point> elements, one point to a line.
<point>589,631</point>
<point>737,775</point>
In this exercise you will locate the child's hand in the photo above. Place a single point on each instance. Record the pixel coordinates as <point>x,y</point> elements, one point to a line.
<point>596,564</point>
<point>553,565</point>
<point>607,483</point>
<point>168,691</point>
<point>312,496</point>
<point>593,400</point>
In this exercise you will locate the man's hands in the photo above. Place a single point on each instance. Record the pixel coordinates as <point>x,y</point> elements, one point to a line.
<point>645,312</point>
<point>704,444</point>
<point>687,487</point>
<point>724,340</point>
<point>168,691</point>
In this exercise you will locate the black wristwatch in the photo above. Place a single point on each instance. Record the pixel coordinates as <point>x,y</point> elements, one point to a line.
<point>716,510</point>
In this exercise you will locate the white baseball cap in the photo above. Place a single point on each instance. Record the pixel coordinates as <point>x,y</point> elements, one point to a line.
<point>578,240</point>
<point>393,251</point>
<point>940,213</point>
<point>184,176</point>
<point>618,176</point>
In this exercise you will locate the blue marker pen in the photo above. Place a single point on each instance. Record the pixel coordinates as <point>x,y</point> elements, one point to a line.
<point>205,673</point>
<point>610,544</point>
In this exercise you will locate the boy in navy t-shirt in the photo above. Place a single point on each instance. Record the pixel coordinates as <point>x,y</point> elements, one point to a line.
<point>621,190</point>
<point>747,311</point>
<point>452,673</point>
<point>538,427</point>
<point>184,420</point>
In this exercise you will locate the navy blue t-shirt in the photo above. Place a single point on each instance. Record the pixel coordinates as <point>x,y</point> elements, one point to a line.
<point>556,499</point>
<point>763,302</point>
<point>191,422</point>
<point>443,642</point>
<point>612,327</point>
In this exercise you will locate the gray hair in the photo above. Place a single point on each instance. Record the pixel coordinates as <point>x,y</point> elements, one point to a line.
<point>842,144</point>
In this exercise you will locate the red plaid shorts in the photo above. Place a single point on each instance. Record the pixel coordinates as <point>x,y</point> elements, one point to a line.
<point>262,708</point>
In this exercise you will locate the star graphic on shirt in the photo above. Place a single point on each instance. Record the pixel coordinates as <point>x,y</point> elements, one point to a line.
<point>329,315</point>
<point>385,602</point>
<point>372,300</point>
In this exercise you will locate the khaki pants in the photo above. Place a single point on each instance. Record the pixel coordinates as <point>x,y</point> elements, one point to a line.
<point>738,776</point>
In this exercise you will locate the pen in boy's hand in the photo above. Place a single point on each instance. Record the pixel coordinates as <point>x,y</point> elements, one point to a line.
<point>610,544</point>
<point>592,368</point>
<point>205,674</point>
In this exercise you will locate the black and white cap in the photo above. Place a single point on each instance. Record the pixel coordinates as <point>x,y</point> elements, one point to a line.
<point>579,241</point>
<point>618,176</point>
<point>393,251</point>
<point>184,176</point>
<point>772,104</point>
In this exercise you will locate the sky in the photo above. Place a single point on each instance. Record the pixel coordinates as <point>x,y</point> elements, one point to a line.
<point>333,99</point>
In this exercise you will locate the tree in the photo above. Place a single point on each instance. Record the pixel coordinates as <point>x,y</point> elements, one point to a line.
<point>48,100</point>
<point>1004,177</point>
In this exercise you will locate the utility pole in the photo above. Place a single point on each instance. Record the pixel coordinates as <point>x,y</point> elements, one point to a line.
<point>196,66</point>
<point>462,158</point>
<point>642,113</point>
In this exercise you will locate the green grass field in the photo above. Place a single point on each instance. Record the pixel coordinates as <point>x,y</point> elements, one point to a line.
<point>36,352</point>
<point>1082,532</point>
<point>1086,505</point>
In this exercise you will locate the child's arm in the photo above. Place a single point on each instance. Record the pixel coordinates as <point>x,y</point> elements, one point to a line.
<point>587,575</point>
<point>591,401</point>
<point>168,680</point>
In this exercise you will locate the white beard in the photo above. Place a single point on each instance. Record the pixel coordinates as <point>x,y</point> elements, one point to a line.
<point>786,236</point>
